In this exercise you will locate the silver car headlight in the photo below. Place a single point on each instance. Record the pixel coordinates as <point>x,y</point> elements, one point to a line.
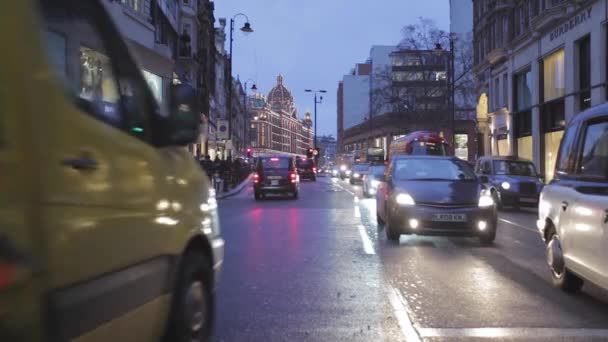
<point>356,175</point>
<point>375,183</point>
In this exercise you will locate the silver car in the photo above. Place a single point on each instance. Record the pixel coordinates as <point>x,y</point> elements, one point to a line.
<point>573,208</point>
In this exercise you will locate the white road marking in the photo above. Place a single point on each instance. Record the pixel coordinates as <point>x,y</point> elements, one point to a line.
<point>519,333</point>
<point>368,247</point>
<point>518,225</point>
<point>401,311</point>
<point>357,212</point>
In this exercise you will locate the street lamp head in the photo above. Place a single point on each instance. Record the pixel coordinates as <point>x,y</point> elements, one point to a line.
<point>253,87</point>
<point>308,90</point>
<point>247,28</point>
<point>322,91</point>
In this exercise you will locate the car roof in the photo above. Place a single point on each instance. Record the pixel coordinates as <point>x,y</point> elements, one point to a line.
<point>505,158</point>
<point>399,157</point>
<point>594,112</point>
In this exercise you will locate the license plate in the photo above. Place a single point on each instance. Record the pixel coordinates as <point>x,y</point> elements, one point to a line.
<point>274,182</point>
<point>450,217</point>
<point>527,200</point>
<point>274,177</point>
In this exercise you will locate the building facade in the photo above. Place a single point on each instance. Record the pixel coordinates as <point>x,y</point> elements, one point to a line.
<point>327,145</point>
<point>275,126</point>
<point>538,63</point>
<point>407,91</point>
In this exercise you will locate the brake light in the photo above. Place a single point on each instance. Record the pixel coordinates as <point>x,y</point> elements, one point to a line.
<point>314,169</point>
<point>256,178</point>
<point>7,275</point>
<point>292,177</point>
<point>274,159</point>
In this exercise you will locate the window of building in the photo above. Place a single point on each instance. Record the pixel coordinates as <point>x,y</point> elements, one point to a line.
<point>523,90</point>
<point>553,76</point>
<point>496,93</point>
<point>584,70</point>
<point>505,90</point>
<point>594,160</point>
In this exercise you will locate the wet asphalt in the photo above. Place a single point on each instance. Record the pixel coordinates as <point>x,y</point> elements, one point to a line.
<point>319,268</point>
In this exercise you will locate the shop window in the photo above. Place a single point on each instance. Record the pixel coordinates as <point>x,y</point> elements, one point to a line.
<point>462,146</point>
<point>523,123</point>
<point>524,148</point>
<point>553,76</point>
<point>594,160</point>
<point>496,93</point>
<point>584,69</point>
<point>505,90</point>
<point>552,115</point>
<point>503,146</point>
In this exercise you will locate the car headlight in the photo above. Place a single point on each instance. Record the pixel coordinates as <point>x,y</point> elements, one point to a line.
<point>348,172</point>
<point>375,183</point>
<point>335,172</point>
<point>505,185</point>
<point>485,201</point>
<point>356,175</point>
<point>405,199</point>
<point>343,168</point>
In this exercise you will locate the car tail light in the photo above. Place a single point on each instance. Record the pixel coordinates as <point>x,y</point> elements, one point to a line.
<point>256,178</point>
<point>7,275</point>
<point>314,169</point>
<point>292,177</point>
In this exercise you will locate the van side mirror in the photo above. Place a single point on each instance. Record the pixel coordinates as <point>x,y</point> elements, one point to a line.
<point>184,121</point>
<point>484,179</point>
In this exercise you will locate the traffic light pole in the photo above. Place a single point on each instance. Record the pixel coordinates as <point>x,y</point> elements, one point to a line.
<point>315,143</point>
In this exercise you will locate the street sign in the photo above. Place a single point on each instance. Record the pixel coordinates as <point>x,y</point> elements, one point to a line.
<point>222,130</point>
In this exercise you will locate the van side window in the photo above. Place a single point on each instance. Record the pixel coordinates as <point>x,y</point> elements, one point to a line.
<point>566,156</point>
<point>594,159</point>
<point>82,54</point>
<point>486,168</point>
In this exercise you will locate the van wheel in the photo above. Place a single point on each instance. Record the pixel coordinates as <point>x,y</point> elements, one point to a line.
<point>392,232</point>
<point>295,195</point>
<point>496,199</point>
<point>257,195</point>
<point>560,275</point>
<point>192,311</point>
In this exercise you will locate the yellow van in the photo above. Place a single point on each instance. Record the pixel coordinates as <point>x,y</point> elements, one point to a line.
<point>108,227</point>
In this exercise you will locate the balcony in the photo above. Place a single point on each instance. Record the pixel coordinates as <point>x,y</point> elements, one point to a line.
<point>554,12</point>
<point>497,55</point>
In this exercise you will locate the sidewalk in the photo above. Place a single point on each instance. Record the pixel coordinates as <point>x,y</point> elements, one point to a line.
<point>235,190</point>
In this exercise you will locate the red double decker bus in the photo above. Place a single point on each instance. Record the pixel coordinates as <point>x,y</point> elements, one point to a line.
<point>420,143</point>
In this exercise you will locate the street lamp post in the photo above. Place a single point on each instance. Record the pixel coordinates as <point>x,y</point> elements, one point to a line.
<point>246,29</point>
<point>320,100</point>
<point>246,114</point>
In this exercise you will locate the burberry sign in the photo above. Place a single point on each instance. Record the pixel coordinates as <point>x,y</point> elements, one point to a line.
<point>570,24</point>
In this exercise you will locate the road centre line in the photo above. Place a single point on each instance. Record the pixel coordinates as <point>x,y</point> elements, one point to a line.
<point>367,242</point>
<point>401,312</point>
<point>518,225</point>
<point>511,332</point>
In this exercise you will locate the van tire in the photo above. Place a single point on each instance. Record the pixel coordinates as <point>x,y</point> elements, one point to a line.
<point>193,291</point>
<point>257,195</point>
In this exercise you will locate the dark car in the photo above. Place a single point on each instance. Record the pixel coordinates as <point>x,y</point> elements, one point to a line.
<point>372,179</point>
<point>359,171</point>
<point>428,195</point>
<point>307,168</point>
<point>512,181</point>
<point>275,174</point>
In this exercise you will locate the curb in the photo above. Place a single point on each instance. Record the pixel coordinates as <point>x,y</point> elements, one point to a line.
<point>236,190</point>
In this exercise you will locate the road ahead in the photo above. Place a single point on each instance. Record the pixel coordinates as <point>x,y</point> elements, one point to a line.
<point>320,269</point>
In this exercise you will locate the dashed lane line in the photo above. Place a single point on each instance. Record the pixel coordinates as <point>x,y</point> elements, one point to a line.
<point>367,242</point>
<point>513,333</point>
<point>401,311</point>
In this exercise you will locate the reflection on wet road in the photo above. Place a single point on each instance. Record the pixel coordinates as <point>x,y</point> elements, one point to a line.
<point>320,269</point>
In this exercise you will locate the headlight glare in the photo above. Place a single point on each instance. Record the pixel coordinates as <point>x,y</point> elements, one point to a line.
<point>505,185</point>
<point>375,183</point>
<point>405,199</point>
<point>485,201</point>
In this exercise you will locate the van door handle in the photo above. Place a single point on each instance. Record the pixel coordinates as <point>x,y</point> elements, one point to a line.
<point>564,205</point>
<point>605,216</point>
<point>82,163</point>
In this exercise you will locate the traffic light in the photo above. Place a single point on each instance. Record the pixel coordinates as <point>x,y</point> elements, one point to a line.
<point>248,152</point>
<point>309,153</point>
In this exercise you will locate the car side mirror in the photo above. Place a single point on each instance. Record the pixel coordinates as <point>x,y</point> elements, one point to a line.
<point>484,179</point>
<point>184,121</point>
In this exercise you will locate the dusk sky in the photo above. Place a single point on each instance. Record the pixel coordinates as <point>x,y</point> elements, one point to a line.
<point>313,43</point>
